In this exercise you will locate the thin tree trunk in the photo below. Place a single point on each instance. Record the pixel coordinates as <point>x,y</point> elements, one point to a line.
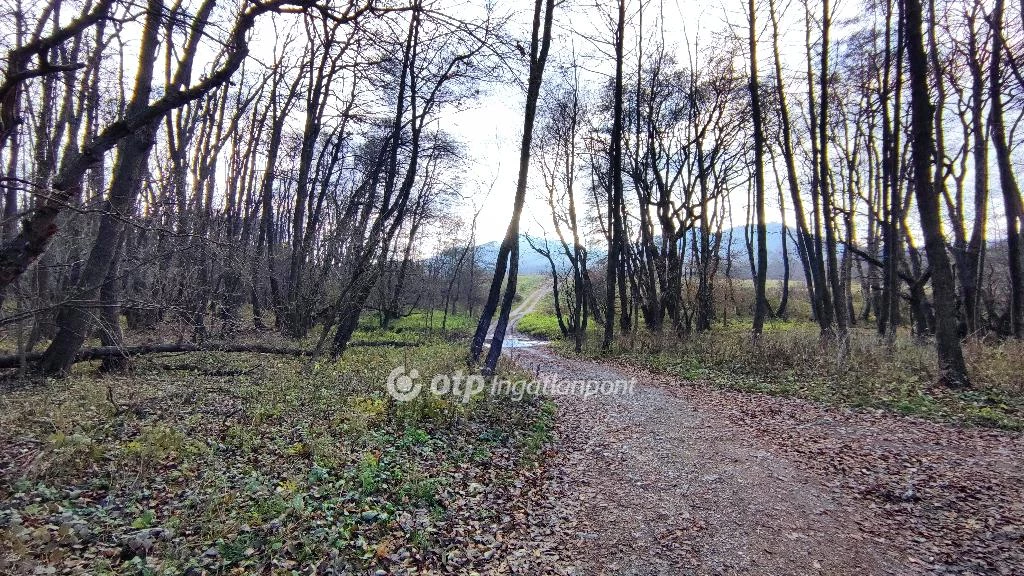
<point>825,181</point>
<point>824,308</point>
<point>760,281</point>
<point>1007,180</point>
<point>110,314</point>
<point>615,192</point>
<point>508,253</point>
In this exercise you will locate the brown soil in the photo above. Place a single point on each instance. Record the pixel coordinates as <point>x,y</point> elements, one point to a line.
<point>678,478</point>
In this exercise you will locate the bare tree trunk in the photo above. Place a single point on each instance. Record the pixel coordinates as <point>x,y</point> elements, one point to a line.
<point>760,280</point>
<point>616,197</point>
<point>952,367</point>
<point>825,312</point>
<point>889,312</point>
<point>782,311</point>
<point>110,313</point>
<point>805,247</point>
<point>546,253</point>
<point>973,259</point>
<point>1008,182</point>
<point>133,155</point>
<point>20,252</point>
<point>827,191</point>
<point>508,253</point>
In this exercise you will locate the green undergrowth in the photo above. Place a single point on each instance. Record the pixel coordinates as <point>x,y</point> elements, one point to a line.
<point>540,325</point>
<point>544,325</point>
<point>541,322</point>
<point>792,361</point>
<point>416,326</point>
<point>244,463</point>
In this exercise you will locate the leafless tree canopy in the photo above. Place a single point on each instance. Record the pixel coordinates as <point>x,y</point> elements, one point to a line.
<point>199,171</point>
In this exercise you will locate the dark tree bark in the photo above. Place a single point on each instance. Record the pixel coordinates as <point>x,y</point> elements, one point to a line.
<point>17,254</point>
<point>824,309</point>
<point>826,189</point>
<point>892,255</point>
<point>615,199</point>
<point>760,280</point>
<point>953,369</point>
<point>508,254</point>
<point>74,321</point>
<point>110,313</point>
<point>545,251</point>
<point>18,60</point>
<point>972,261</point>
<point>1014,208</point>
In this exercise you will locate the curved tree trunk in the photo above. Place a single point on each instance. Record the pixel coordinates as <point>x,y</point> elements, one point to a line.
<point>74,320</point>
<point>508,253</point>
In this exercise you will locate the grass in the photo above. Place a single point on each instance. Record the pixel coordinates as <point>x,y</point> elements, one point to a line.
<point>541,325</point>
<point>542,322</point>
<point>791,360</point>
<point>282,467</point>
<point>416,326</point>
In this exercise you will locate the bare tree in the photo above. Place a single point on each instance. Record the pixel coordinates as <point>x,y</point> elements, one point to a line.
<point>951,361</point>
<point>760,279</point>
<point>507,261</point>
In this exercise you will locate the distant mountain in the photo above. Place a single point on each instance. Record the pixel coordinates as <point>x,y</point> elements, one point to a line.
<point>741,262</point>
<point>530,262</point>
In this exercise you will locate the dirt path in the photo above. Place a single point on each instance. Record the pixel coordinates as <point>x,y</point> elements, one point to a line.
<point>665,487</point>
<point>513,338</point>
<point>678,478</point>
<point>528,304</point>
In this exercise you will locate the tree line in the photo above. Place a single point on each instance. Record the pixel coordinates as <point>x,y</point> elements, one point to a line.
<point>178,164</point>
<point>208,168</point>
<point>887,142</point>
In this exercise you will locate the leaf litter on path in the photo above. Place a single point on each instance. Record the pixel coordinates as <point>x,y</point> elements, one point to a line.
<point>680,478</point>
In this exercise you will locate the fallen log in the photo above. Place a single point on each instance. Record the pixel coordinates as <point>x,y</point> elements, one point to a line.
<point>101,352</point>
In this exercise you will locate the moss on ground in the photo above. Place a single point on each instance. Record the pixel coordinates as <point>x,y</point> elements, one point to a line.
<point>540,325</point>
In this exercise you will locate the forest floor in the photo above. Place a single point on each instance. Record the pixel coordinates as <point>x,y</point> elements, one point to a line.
<point>683,478</point>
<point>213,463</point>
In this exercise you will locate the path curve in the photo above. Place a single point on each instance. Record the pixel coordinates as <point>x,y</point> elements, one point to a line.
<point>513,338</point>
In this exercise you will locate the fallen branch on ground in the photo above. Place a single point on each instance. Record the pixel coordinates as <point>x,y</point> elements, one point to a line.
<point>101,352</point>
